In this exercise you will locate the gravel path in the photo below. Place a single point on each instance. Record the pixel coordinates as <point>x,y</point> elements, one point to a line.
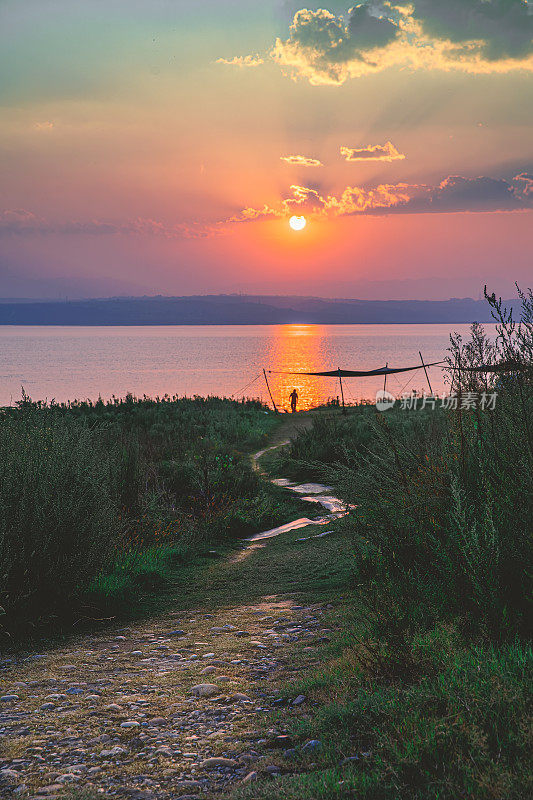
<point>167,709</point>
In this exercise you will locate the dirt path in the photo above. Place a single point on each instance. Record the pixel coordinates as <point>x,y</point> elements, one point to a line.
<point>291,426</point>
<point>164,709</point>
<point>142,712</point>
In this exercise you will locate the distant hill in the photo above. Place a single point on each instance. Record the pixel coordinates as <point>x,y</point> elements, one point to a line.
<point>240,310</point>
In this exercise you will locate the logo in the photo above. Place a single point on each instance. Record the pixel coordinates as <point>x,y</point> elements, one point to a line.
<point>384,400</point>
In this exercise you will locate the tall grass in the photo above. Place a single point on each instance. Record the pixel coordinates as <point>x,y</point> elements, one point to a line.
<point>427,684</point>
<point>59,510</point>
<point>99,500</point>
<point>444,498</point>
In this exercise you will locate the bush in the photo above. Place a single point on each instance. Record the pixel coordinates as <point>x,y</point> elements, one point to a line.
<point>99,499</point>
<point>445,498</point>
<point>59,510</point>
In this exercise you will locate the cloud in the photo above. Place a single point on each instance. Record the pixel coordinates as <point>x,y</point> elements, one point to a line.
<point>19,222</point>
<point>502,28</point>
<point>302,161</point>
<point>372,152</point>
<point>471,35</point>
<point>452,195</point>
<point>44,126</point>
<point>242,61</point>
<point>524,183</point>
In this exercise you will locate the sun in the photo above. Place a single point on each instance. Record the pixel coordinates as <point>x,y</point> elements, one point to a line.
<point>297,223</point>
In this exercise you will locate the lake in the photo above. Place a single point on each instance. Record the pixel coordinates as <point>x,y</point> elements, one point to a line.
<point>67,363</point>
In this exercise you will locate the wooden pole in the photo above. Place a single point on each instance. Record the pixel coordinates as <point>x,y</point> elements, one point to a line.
<point>385,380</point>
<point>270,393</point>
<point>425,370</point>
<point>453,375</point>
<point>342,392</point>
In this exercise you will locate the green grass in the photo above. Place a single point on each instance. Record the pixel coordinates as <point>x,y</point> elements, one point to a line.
<point>102,504</point>
<point>426,684</point>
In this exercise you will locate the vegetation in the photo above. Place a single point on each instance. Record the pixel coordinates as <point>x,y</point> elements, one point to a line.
<point>99,500</point>
<point>423,689</point>
<point>427,686</point>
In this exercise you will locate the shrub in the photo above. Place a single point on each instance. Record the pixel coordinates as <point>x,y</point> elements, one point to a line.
<point>59,511</point>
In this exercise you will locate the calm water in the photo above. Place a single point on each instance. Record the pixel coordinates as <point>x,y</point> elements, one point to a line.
<point>86,362</point>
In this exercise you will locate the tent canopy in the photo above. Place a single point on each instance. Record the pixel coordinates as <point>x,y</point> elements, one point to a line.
<point>350,373</point>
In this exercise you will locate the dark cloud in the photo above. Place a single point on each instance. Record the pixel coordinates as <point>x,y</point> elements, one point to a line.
<point>367,31</point>
<point>325,48</point>
<point>504,26</point>
<point>455,194</point>
<point>471,35</point>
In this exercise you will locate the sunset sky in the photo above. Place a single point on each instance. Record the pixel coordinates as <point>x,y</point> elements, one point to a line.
<point>161,146</point>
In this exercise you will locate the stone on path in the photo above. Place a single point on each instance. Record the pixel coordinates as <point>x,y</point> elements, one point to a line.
<point>312,746</point>
<point>205,690</point>
<point>214,762</point>
<point>299,700</point>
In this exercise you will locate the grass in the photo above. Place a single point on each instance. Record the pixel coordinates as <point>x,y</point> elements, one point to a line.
<point>103,503</point>
<point>424,691</point>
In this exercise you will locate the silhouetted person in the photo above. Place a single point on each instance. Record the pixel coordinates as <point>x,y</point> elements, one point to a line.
<point>293,397</point>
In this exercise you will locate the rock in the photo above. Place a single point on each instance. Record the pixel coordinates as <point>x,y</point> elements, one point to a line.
<point>213,763</point>
<point>177,633</point>
<point>272,769</point>
<point>68,777</point>
<point>252,776</point>
<point>189,785</point>
<point>129,724</point>
<point>47,706</point>
<point>113,707</point>
<point>52,789</point>
<point>136,653</point>
<point>113,752</point>
<point>9,775</point>
<point>290,753</point>
<point>158,721</point>
<point>208,670</point>
<point>9,698</point>
<point>205,690</point>
<point>240,698</point>
<point>312,746</point>
<point>299,700</point>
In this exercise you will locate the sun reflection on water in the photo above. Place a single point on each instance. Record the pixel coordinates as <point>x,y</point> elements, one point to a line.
<point>300,348</point>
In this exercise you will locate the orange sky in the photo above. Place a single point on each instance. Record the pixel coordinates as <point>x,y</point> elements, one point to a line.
<point>134,161</point>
